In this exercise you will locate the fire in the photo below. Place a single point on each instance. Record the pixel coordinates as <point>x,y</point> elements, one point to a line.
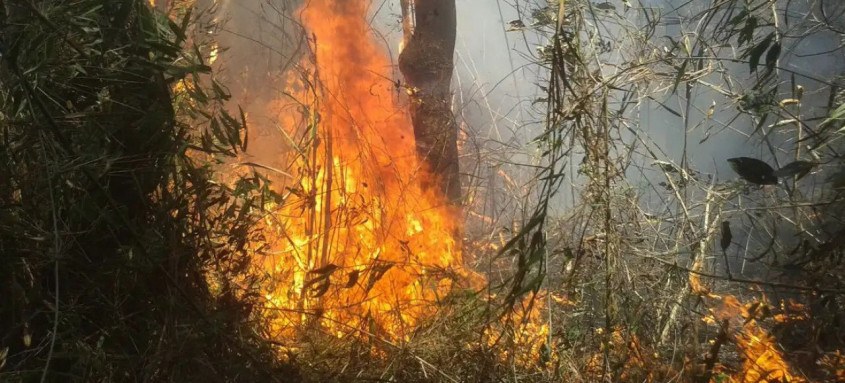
<point>623,348</point>
<point>763,360</point>
<point>358,246</point>
<point>528,334</point>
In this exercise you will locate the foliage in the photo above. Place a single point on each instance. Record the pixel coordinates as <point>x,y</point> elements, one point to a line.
<point>632,253</point>
<point>120,250</point>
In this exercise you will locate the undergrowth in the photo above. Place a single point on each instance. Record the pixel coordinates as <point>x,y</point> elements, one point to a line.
<point>116,241</point>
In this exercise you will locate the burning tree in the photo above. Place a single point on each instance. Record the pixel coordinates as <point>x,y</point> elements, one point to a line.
<point>427,64</point>
<point>364,240</point>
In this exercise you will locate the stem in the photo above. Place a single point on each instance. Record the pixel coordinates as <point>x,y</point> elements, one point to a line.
<point>56,250</point>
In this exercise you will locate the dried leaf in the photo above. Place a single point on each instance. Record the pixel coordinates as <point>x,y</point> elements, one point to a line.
<point>665,166</point>
<point>352,279</point>
<point>796,168</point>
<point>837,179</point>
<point>753,170</point>
<point>321,289</point>
<point>605,6</point>
<point>376,273</point>
<point>515,25</point>
<point>727,236</point>
<point>327,269</point>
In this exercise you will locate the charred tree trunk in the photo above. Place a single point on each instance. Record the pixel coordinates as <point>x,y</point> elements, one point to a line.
<point>427,64</point>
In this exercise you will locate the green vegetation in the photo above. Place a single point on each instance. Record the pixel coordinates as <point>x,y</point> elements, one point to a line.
<point>116,242</point>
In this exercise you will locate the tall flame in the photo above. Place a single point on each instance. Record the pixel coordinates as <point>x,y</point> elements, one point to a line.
<point>359,244</point>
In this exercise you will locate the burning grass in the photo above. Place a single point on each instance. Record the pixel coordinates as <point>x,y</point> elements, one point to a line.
<point>359,247</point>
<point>364,270</point>
<point>364,259</point>
<point>360,271</point>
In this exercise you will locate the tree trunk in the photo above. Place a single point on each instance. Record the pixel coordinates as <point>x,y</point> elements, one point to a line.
<point>426,63</point>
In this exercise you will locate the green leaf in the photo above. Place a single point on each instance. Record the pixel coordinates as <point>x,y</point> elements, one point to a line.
<point>181,29</point>
<point>680,75</point>
<point>220,91</point>
<point>233,128</point>
<point>772,56</point>
<point>747,32</point>
<point>182,72</point>
<point>757,52</point>
<point>217,131</point>
<point>739,17</point>
<point>836,115</point>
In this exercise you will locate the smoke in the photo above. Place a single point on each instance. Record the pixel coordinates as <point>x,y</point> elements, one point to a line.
<point>259,42</point>
<point>496,83</point>
<point>497,86</point>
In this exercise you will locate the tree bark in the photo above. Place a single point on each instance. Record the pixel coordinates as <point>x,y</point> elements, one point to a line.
<point>426,63</point>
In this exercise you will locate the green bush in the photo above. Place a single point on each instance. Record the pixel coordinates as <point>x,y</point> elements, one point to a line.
<point>117,243</point>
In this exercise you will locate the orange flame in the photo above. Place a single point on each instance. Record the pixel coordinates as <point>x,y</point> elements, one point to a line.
<point>359,244</point>
<point>528,336</point>
<point>763,359</point>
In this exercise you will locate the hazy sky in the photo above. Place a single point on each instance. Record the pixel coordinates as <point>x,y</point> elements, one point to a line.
<point>496,81</point>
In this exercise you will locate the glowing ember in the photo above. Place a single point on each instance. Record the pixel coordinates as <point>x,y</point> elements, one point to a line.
<point>834,364</point>
<point>358,244</point>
